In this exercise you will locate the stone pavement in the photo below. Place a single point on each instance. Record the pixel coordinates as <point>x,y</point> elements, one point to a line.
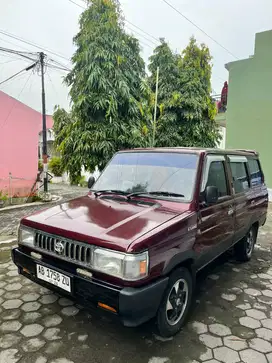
<point>10,219</point>
<point>230,322</point>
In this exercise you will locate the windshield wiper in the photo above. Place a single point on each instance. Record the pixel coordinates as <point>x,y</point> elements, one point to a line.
<point>108,191</point>
<point>159,193</point>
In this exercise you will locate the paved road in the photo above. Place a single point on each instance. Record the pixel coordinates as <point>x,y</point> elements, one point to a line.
<point>9,220</point>
<point>231,320</point>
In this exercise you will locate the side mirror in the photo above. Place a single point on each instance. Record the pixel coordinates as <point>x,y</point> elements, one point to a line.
<point>211,195</point>
<point>91,182</point>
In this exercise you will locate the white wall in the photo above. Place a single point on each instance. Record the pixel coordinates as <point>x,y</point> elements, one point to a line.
<point>222,143</point>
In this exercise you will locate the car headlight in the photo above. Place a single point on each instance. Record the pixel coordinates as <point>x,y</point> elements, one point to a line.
<point>26,236</point>
<point>128,267</point>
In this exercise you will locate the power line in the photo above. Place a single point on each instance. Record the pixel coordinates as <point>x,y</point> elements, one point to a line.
<point>129,22</point>
<point>82,7</point>
<point>9,56</point>
<point>13,76</point>
<point>56,65</point>
<point>16,52</point>
<point>59,65</point>
<point>9,42</point>
<point>10,61</point>
<point>145,32</point>
<point>15,100</point>
<point>144,43</point>
<point>19,76</point>
<point>59,68</point>
<point>203,31</point>
<point>16,74</point>
<point>52,84</point>
<point>33,44</point>
<point>134,31</point>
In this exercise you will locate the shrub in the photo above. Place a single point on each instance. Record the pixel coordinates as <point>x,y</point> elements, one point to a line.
<point>3,196</point>
<point>55,166</point>
<point>82,182</point>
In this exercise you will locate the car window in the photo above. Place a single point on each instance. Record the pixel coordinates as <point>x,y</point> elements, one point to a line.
<point>217,177</point>
<point>240,177</point>
<point>255,172</point>
<point>133,172</point>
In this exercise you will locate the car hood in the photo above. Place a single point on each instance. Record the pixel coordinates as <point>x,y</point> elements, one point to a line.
<point>110,222</point>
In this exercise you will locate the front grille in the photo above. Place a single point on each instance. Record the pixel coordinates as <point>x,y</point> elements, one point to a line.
<point>65,249</point>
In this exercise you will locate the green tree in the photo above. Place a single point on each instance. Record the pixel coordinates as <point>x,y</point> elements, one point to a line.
<point>187,112</point>
<point>198,110</point>
<point>62,125</point>
<point>66,131</point>
<point>167,61</point>
<point>106,83</point>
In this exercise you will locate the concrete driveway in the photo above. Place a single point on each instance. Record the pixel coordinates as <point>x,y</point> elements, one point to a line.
<point>230,322</point>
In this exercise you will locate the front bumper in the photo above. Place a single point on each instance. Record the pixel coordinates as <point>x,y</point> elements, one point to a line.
<point>134,306</point>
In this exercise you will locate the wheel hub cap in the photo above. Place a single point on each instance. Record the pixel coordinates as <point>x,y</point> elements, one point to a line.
<point>250,242</point>
<point>177,302</point>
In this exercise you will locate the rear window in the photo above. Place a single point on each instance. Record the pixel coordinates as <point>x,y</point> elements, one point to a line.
<point>255,172</point>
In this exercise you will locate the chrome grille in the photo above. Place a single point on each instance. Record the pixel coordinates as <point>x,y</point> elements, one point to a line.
<point>63,248</point>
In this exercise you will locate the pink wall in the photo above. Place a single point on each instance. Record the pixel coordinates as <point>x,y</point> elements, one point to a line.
<point>19,137</point>
<point>49,122</point>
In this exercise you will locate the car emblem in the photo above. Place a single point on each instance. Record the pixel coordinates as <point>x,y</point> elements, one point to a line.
<point>59,248</point>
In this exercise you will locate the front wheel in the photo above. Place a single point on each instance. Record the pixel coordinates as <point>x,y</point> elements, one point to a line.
<point>176,303</point>
<point>245,247</point>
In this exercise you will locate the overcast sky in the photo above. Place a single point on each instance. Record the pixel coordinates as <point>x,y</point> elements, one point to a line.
<point>53,23</point>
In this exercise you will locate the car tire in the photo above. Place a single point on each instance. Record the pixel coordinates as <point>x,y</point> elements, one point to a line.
<point>244,248</point>
<point>176,303</point>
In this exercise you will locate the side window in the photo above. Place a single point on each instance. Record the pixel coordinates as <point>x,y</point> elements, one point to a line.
<point>255,172</point>
<point>217,177</point>
<point>240,177</point>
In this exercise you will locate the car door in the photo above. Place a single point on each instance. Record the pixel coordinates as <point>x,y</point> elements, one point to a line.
<point>244,197</point>
<point>215,222</point>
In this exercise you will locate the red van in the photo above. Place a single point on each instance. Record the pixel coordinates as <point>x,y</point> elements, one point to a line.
<point>155,217</point>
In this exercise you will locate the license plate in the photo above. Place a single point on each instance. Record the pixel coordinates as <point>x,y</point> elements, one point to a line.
<point>54,277</point>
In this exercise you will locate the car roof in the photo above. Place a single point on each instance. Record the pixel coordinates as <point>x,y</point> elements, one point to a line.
<point>195,150</point>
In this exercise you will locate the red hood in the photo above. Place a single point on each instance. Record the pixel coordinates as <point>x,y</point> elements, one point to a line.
<point>113,223</point>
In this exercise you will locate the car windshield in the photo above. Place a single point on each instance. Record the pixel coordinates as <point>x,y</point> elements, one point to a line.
<point>150,171</point>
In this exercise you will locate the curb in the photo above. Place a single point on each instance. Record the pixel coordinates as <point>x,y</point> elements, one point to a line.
<point>8,241</point>
<point>26,205</point>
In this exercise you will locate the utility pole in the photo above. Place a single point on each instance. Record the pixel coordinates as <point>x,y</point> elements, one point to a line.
<point>44,148</point>
<point>155,109</point>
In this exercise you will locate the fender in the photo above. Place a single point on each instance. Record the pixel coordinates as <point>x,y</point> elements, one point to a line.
<point>186,257</point>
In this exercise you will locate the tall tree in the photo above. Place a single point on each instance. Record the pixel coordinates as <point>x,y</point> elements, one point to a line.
<point>65,131</point>
<point>187,111</point>
<point>105,86</point>
<point>198,110</point>
<point>167,61</point>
